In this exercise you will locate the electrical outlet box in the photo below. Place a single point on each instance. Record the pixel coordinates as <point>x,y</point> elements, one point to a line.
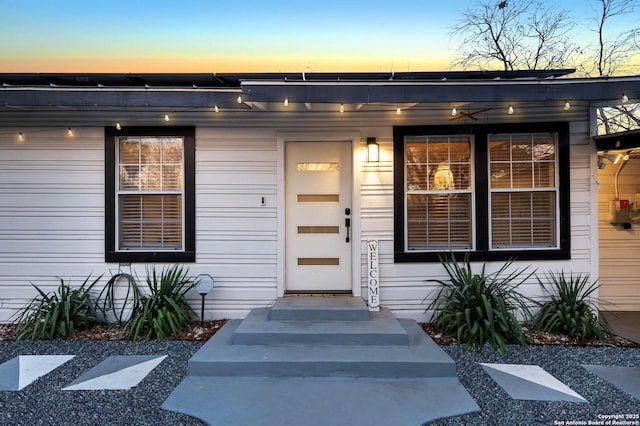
<point>619,212</point>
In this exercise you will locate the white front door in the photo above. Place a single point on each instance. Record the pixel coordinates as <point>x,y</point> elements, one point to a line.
<point>318,212</point>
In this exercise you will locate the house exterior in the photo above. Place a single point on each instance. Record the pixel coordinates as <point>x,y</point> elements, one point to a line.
<point>287,183</point>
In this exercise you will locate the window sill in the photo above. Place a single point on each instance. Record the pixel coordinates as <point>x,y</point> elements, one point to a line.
<point>484,256</point>
<point>150,257</point>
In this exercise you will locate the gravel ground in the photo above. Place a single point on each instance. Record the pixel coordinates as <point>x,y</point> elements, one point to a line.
<point>43,403</point>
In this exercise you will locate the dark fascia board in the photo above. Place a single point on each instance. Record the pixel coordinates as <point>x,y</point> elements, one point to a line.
<point>268,90</point>
<point>618,141</point>
<point>188,98</point>
<point>592,90</point>
<point>235,79</point>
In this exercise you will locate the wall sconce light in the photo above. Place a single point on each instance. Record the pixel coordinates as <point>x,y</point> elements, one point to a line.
<point>373,151</point>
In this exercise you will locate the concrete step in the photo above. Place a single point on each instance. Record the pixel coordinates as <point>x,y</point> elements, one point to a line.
<point>319,401</point>
<point>320,309</point>
<point>420,358</point>
<point>258,329</point>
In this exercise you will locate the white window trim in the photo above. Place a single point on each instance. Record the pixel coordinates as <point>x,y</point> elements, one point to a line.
<point>555,190</point>
<point>118,193</point>
<point>471,190</point>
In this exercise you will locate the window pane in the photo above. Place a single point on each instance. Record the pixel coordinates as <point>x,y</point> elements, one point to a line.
<point>172,178</point>
<point>521,148</point>
<point>522,175</point>
<point>172,151</point>
<point>439,167</point>
<point>150,151</point>
<point>523,219</point>
<point>544,175</point>
<point>437,222</point>
<point>417,221</point>
<point>150,177</point>
<point>417,177</point>
<point>500,175</point>
<point>416,152</point>
<point>150,222</point>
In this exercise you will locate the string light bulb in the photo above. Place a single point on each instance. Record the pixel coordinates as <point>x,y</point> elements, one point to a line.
<point>20,137</point>
<point>454,111</point>
<point>510,110</point>
<point>625,98</point>
<point>286,101</point>
<point>69,131</point>
<point>166,117</point>
<point>239,99</point>
<point>398,111</point>
<point>567,106</point>
<point>118,126</point>
<point>216,109</point>
<point>341,107</point>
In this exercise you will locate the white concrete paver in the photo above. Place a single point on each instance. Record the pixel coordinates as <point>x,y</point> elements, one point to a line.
<point>530,382</point>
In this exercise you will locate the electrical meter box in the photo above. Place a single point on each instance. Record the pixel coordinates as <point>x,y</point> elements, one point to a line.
<point>619,212</point>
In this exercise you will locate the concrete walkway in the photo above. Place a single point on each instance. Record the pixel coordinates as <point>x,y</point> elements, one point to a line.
<point>624,324</point>
<point>320,361</point>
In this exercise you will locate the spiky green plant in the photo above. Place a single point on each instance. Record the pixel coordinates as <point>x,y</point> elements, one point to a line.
<point>157,311</point>
<point>58,314</point>
<point>480,308</point>
<point>569,309</point>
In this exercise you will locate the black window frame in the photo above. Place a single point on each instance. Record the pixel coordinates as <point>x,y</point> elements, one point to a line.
<point>480,134</point>
<point>178,256</point>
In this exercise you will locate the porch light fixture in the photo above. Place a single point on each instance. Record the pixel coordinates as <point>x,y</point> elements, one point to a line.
<point>510,110</point>
<point>203,284</point>
<point>567,106</point>
<point>373,151</point>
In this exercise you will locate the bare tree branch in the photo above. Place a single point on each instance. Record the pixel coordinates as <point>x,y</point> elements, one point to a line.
<point>517,34</point>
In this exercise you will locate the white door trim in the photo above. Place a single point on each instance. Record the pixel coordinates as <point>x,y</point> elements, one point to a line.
<point>356,249</point>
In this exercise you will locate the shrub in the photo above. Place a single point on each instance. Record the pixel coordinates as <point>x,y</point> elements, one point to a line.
<point>158,311</point>
<point>480,308</point>
<point>58,314</point>
<point>569,310</point>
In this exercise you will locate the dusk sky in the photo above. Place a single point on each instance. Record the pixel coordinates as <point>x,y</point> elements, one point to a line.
<point>234,36</point>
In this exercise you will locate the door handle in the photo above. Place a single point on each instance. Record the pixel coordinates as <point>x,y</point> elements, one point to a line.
<point>347,221</point>
<point>347,224</point>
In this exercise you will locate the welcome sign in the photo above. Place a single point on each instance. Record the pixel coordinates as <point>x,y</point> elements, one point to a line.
<point>373,283</point>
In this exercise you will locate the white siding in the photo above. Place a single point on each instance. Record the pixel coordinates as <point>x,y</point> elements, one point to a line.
<point>51,211</point>
<point>619,248</point>
<point>52,214</point>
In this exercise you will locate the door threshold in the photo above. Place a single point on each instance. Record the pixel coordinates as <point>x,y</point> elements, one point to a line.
<point>318,293</point>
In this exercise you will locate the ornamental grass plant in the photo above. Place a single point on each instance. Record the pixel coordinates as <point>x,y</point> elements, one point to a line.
<point>480,308</point>
<point>569,309</point>
<point>158,309</point>
<point>58,314</point>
